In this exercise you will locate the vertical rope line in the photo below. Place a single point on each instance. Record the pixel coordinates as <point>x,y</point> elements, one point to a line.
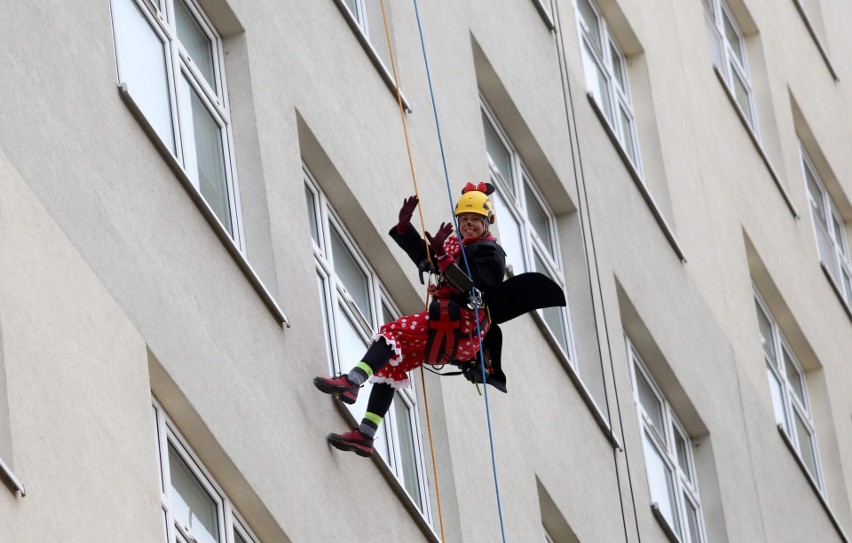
<point>467,266</point>
<point>422,229</point>
<point>570,114</point>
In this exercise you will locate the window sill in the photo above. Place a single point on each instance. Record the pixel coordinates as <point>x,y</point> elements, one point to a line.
<point>545,15</point>
<point>816,40</point>
<point>812,483</point>
<point>756,143</point>
<point>664,524</point>
<point>836,290</point>
<point>237,255</point>
<point>393,482</point>
<point>637,180</point>
<point>585,395</point>
<point>11,481</point>
<point>385,74</point>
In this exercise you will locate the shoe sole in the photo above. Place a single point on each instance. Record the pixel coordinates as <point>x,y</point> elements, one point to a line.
<point>335,391</point>
<point>347,446</point>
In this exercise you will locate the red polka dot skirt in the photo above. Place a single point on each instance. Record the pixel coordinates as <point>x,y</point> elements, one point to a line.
<point>407,337</point>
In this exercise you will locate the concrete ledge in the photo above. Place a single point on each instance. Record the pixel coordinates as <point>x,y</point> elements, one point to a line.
<point>223,235</point>
<point>812,482</point>
<point>756,142</point>
<point>637,180</point>
<point>374,56</point>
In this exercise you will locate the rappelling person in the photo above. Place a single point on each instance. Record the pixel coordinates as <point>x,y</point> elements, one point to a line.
<point>456,322</point>
<point>448,330</point>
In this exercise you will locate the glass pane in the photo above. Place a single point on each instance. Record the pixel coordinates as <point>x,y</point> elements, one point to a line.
<point>509,233</point>
<point>387,314</point>
<point>765,333</point>
<point>312,215</point>
<point>598,84</point>
<point>627,136</point>
<point>650,404</point>
<point>326,320</point>
<point>777,399</point>
<point>742,94</point>
<point>407,451</point>
<point>591,20</point>
<point>661,484</point>
<point>350,274</point>
<point>353,9</point>
<point>682,453</point>
<point>553,316</point>
<point>709,5</point>
<point>498,153</point>
<point>238,538</point>
<point>793,376</point>
<point>197,44</point>
<point>376,29</point>
<point>817,196</point>
<point>192,505</point>
<point>539,219</point>
<point>806,448</point>
<point>733,38</point>
<point>142,67</point>
<point>618,67</point>
<point>205,156</point>
<point>838,234</point>
<point>692,521</point>
<point>847,284</point>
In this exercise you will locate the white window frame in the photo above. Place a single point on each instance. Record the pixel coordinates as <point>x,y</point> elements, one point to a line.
<point>731,61</point>
<point>338,303</point>
<point>662,440</point>
<point>831,239</point>
<point>787,405</point>
<point>514,193</point>
<point>161,19</point>
<point>609,62</point>
<point>230,521</point>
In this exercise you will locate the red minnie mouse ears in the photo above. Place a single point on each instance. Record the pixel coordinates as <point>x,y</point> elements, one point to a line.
<point>487,188</point>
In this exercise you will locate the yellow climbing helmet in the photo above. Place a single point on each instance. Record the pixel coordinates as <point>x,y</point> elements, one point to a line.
<point>474,199</point>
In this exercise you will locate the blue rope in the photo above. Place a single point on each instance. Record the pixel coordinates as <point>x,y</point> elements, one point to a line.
<point>467,266</point>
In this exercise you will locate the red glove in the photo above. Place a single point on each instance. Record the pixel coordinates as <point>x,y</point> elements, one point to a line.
<point>437,242</point>
<point>405,213</point>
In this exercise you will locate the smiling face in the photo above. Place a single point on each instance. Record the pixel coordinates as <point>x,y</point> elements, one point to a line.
<point>471,225</point>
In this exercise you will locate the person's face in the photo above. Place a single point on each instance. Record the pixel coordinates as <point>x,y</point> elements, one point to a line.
<point>471,225</point>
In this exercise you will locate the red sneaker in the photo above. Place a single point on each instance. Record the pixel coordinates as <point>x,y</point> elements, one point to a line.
<point>339,387</point>
<point>353,441</point>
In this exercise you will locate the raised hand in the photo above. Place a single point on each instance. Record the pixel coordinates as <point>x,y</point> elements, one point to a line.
<point>405,213</point>
<point>437,241</point>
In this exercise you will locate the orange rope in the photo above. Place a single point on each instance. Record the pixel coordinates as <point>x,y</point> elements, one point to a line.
<point>423,229</point>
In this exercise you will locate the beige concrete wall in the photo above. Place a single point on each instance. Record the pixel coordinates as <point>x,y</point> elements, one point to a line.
<point>114,287</point>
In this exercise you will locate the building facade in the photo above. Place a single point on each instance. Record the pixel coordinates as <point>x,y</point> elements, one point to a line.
<point>195,202</point>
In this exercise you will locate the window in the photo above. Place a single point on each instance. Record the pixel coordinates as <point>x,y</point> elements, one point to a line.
<point>830,230</point>
<point>729,56</point>
<point>355,304</point>
<point>194,507</point>
<point>669,460</point>
<point>526,225</point>
<point>605,68</point>
<point>170,59</point>
<point>369,20</point>
<point>789,389</point>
